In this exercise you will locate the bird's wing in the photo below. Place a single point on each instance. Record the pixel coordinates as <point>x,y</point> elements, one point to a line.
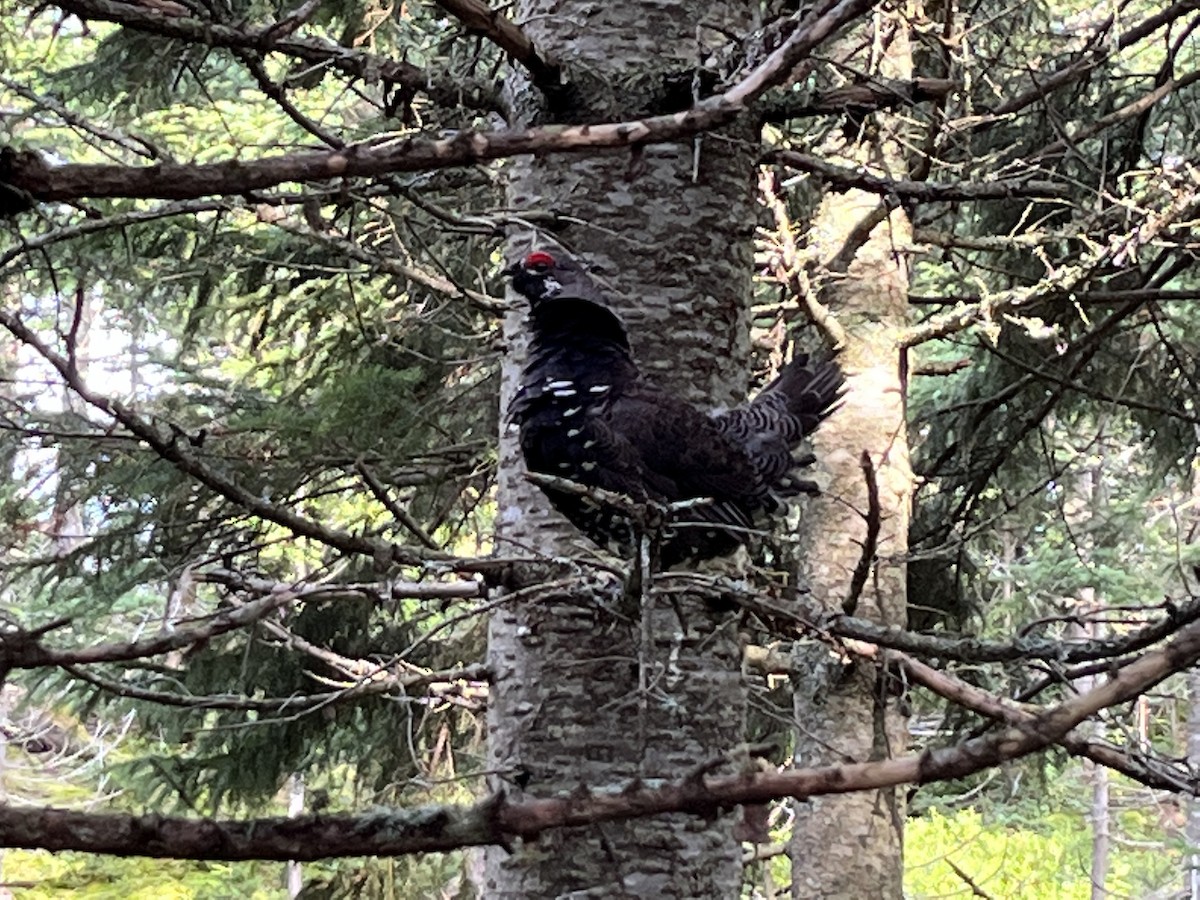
<point>679,453</point>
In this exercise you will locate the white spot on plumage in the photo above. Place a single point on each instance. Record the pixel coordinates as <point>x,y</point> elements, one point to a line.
<point>559,385</point>
<point>574,410</point>
<point>587,445</point>
<point>565,392</point>
<point>599,388</point>
<point>588,466</point>
<point>575,432</point>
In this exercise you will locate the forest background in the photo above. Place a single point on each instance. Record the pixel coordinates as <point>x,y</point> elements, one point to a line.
<point>280,606</point>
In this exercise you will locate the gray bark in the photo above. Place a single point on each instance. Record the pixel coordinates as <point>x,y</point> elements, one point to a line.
<point>589,688</point>
<point>1192,827</point>
<point>1088,606</point>
<point>293,870</point>
<point>851,846</point>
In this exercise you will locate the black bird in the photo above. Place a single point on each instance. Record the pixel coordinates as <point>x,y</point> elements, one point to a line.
<point>586,414</point>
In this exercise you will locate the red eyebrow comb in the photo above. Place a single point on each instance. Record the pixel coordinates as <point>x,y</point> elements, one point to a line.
<point>539,258</point>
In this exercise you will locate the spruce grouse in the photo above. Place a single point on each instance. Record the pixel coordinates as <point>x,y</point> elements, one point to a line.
<point>586,414</point>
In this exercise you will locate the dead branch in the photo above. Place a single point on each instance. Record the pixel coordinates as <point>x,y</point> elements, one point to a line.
<point>790,269</point>
<point>471,679</point>
<point>496,820</point>
<point>943,646</point>
<point>868,95</point>
<point>22,650</point>
<point>26,177</point>
<point>925,191</point>
<point>446,90</point>
<point>477,17</point>
<point>870,544</point>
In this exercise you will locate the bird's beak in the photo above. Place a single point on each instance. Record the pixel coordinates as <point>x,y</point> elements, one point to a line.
<point>511,270</point>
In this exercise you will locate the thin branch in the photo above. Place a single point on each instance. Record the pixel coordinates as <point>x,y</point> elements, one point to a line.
<point>790,271</point>
<point>924,191</point>
<point>1098,296</point>
<point>136,145</point>
<point>446,90</point>
<point>293,20</point>
<point>20,650</point>
<point>1059,283</point>
<point>170,449</point>
<point>979,650</point>
<point>1128,111</point>
<point>299,704</point>
<point>91,226</point>
<point>1002,709</point>
<point>382,263</point>
<point>496,820</point>
<point>27,176</point>
<point>399,513</point>
<point>868,95</point>
<point>976,890</point>
<point>1082,387</point>
<point>277,93</point>
<point>947,647</point>
<point>477,17</point>
<point>1097,55</point>
<point>823,21</point>
<point>396,590</point>
<point>870,542</point>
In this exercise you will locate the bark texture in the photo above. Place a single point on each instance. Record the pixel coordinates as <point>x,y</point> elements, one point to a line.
<point>851,846</point>
<point>590,686</point>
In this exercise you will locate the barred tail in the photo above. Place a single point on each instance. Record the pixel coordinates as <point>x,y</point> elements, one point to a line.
<point>810,392</point>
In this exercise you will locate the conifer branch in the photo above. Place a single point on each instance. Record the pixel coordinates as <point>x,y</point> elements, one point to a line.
<point>27,176</point>
<point>497,819</point>
<point>479,18</point>
<point>449,91</point>
<point>168,447</point>
<point>946,647</point>
<point>922,191</point>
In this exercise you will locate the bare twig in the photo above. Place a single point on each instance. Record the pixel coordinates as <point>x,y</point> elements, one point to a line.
<point>31,178</point>
<point>445,89</point>
<point>925,191</point>
<point>495,820</point>
<point>169,448</point>
<point>790,270</point>
<point>20,650</point>
<point>477,17</point>
<point>398,512</point>
<point>870,541</point>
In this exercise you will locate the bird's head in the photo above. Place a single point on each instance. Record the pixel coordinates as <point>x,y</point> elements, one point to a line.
<point>541,276</point>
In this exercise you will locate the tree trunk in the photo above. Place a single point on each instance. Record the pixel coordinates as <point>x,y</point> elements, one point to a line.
<point>850,846</point>
<point>1192,827</point>
<point>1090,628</point>
<point>294,871</point>
<point>67,528</point>
<point>589,689</point>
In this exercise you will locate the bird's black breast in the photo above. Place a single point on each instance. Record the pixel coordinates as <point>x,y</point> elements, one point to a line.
<point>567,430</point>
<point>634,439</point>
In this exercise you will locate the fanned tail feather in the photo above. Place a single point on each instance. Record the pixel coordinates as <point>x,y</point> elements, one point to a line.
<point>785,412</point>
